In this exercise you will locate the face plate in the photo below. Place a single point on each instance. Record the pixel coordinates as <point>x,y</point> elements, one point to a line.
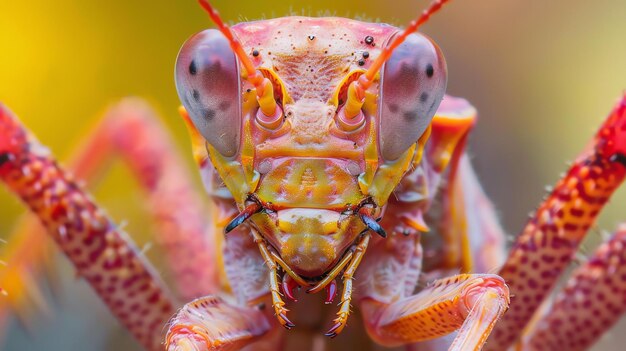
<point>310,174</point>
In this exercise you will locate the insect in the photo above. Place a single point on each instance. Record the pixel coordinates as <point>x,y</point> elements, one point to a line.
<point>311,159</point>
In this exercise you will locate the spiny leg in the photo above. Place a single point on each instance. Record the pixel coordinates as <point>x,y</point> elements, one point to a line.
<point>277,301</point>
<point>468,303</point>
<point>100,251</point>
<point>346,296</point>
<point>592,301</point>
<point>131,131</point>
<point>552,236</point>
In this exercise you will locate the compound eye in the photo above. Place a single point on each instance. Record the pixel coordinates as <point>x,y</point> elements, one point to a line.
<point>413,84</point>
<point>208,84</point>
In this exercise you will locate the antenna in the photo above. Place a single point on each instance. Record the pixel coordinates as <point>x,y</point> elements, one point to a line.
<point>356,96</point>
<point>263,86</point>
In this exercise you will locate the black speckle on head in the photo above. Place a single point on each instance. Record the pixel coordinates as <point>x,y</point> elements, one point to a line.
<point>410,115</point>
<point>361,62</point>
<point>208,114</point>
<point>192,68</point>
<point>311,37</point>
<point>430,70</point>
<point>393,108</point>
<point>196,95</point>
<point>423,97</point>
<point>255,53</point>
<point>366,54</point>
<point>369,40</point>
<point>248,90</point>
<point>224,105</point>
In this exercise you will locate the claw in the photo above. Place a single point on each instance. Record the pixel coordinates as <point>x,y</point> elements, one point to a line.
<point>288,286</point>
<point>242,216</point>
<point>331,292</point>
<point>334,330</point>
<point>285,321</point>
<point>372,224</point>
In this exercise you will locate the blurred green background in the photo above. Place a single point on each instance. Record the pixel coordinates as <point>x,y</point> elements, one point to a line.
<point>542,74</point>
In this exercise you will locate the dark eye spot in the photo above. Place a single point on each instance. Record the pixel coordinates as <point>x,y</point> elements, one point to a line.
<point>369,40</point>
<point>311,37</point>
<point>410,115</point>
<point>361,62</point>
<point>255,53</point>
<point>196,95</point>
<point>208,114</point>
<point>192,68</point>
<point>224,105</point>
<point>423,97</point>
<point>366,54</point>
<point>430,70</point>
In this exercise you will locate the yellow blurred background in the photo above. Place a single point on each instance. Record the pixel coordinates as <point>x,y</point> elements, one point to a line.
<point>543,75</point>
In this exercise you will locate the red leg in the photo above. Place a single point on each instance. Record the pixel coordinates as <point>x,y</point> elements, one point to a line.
<point>552,236</point>
<point>593,300</point>
<point>102,253</point>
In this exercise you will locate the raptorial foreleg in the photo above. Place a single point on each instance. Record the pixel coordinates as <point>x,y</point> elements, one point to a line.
<point>469,303</point>
<point>209,323</point>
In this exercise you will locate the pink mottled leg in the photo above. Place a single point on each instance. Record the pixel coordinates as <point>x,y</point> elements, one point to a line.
<point>550,239</point>
<point>101,253</point>
<point>131,130</point>
<point>592,301</point>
